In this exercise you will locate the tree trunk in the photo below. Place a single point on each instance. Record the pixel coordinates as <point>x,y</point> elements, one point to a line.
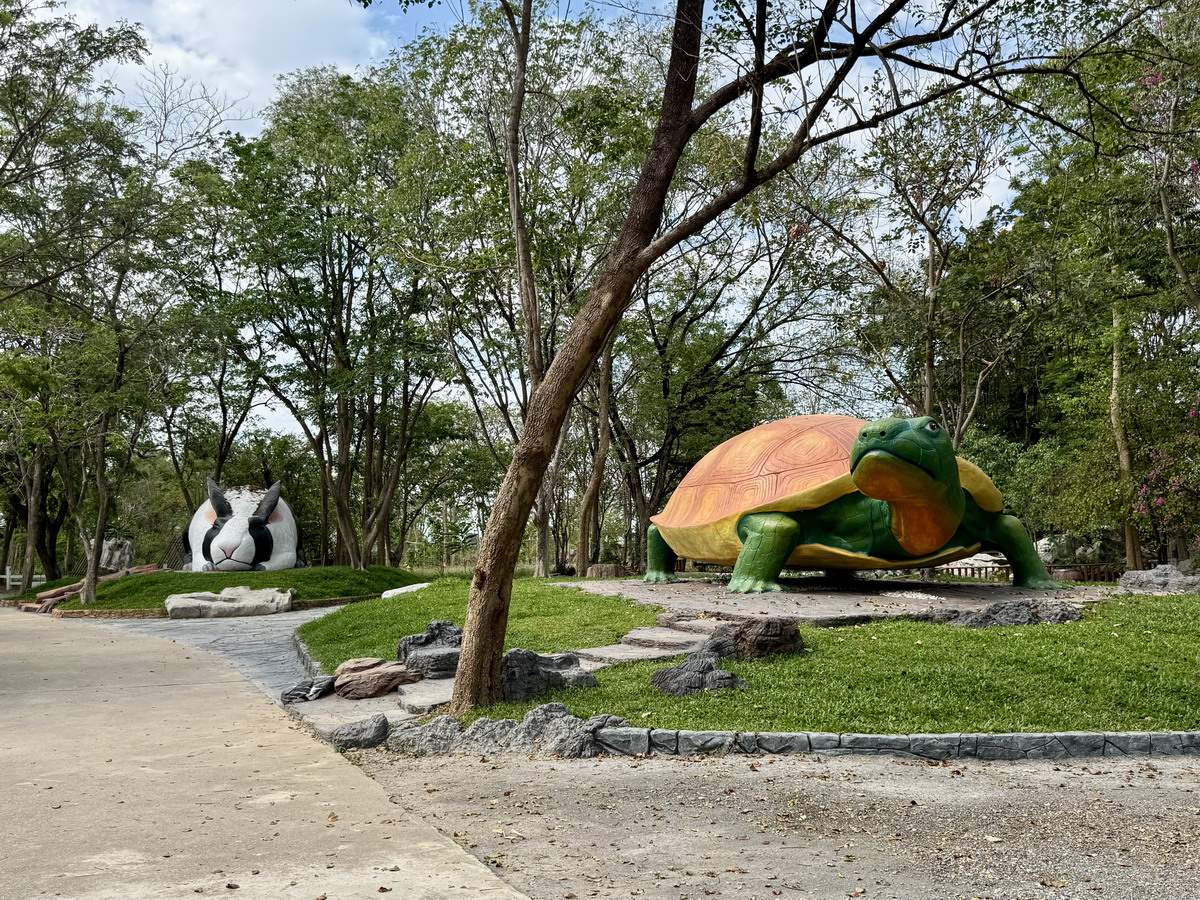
<point>34,515</point>
<point>1133,545</point>
<point>589,514</point>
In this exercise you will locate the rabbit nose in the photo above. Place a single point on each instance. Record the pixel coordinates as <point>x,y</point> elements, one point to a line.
<point>229,549</point>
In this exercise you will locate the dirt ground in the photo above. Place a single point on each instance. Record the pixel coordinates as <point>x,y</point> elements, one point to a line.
<point>763,827</point>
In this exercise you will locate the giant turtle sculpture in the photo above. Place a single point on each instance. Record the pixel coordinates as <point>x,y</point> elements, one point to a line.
<point>835,492</point>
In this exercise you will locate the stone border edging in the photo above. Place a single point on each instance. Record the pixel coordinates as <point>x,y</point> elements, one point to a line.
<point>311,666</point>
<point>1002,746</point>
<point>109,613</point>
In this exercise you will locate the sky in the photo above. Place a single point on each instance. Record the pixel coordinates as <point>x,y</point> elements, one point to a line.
<point>238,47</point>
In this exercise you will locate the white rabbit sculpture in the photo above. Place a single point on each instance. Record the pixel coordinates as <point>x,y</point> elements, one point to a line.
<point>243,529</point>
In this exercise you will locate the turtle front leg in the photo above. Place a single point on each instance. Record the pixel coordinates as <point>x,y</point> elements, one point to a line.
<point>1029,571</point>
<point>768,539</point>
<point>660,558</point>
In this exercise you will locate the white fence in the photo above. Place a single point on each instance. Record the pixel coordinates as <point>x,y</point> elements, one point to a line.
<point>13,579</point>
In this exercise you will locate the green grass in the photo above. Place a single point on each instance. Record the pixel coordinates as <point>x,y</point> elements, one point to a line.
<point>317,583</point>
<point>1129,665</point>
<point>542,618</point>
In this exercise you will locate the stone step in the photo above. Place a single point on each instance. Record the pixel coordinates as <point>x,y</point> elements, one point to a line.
<point>664,639</point>
<point>696,626</point>
<point>593,658</point>
<point>426,695</point>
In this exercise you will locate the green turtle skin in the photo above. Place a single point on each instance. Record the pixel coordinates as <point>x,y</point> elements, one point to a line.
<point>909,504</point>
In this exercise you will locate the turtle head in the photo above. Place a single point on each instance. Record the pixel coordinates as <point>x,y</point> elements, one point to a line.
<point>910,463</point>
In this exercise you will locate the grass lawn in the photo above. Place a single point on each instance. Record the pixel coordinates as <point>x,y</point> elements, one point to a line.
<point>542,618</point>
<point>317,583</point>
<point>1130,665</point>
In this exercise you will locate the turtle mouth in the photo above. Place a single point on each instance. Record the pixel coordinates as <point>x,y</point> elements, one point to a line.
<point>883,450</point>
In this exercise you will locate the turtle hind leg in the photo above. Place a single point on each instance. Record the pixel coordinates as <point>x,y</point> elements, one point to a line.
<point>768,539</point>
<point>660,558</point>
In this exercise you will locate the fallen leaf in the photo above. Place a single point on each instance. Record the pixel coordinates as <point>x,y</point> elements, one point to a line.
<point>384,890</point>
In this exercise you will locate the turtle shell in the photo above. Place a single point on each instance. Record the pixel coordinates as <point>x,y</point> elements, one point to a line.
<point>784,466</point>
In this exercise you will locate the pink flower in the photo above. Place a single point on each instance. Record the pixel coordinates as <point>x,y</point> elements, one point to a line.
<point>1158,501</point>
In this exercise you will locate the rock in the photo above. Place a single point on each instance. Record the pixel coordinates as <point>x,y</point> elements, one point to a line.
<point>720,645</point>
<point>606,570</point>
<point>435,652</point>
<point>358,664</point>
<point>364,733</point>
<point>548,730</point>
<point>407,589</point>
<point>524,674</point>
<point>763,636</point>
<point>1160,578</point>
<point>435,738</point>
<point>1025,611</point>
<point>308,689</point>
<point>374,682</point>
<point>233,601</point>
<point>699,672</point>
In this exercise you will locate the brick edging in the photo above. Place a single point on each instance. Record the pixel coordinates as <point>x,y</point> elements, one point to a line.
<point>1005,746</point>
<point>109,613</point>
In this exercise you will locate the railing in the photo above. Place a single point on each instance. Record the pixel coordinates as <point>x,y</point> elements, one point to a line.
<point>13,580</point>
<point>1077,572</point>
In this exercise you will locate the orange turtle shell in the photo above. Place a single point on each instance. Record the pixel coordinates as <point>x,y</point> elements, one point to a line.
<point>784,466</point>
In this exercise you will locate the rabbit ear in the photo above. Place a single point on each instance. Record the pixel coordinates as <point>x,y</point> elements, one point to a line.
<point>219,504</point>
<point>269,500</point>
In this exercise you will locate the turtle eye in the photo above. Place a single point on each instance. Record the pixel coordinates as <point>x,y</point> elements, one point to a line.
<point>932,426</point>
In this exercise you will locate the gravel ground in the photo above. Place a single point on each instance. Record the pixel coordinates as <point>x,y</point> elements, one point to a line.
<point>764,827</point>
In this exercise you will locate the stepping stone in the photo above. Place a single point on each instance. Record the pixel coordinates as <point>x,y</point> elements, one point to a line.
<point>593,658</point>
<point>697,626</point>
<point>664,639</point>
<point>424,696</point>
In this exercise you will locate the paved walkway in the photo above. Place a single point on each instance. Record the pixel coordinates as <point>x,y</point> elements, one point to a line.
<point>260,647</point>
<point>132,767</point>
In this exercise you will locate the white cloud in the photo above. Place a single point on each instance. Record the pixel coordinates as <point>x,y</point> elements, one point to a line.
<point>238,47</point>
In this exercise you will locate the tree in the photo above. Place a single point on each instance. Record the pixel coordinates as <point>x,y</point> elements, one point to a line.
<point>336,324</point>
<point>822,52</point>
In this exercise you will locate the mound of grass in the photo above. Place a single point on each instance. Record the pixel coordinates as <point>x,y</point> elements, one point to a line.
<point>317,583</point>
<point>542,618</point>
<point>1129,665</point>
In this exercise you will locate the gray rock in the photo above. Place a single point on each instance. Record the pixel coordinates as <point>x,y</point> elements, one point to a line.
<point>720,645</point>
<point>364,733</point>
<point>1164,578</point>
<point>1023,611</point>
<point>763,636</point>
<point>308,689</point>
<point>525,674</point>
<point>551,730</point>
<point>487,736</point>
<point>548,730</point>
<point>232,601</point>
<point>435,738</point>
<point>434,653</point>
<point>699,672</point>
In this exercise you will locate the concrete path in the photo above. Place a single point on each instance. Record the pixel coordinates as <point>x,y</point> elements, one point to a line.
<point>132,767</point>
<point>260,647</point>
